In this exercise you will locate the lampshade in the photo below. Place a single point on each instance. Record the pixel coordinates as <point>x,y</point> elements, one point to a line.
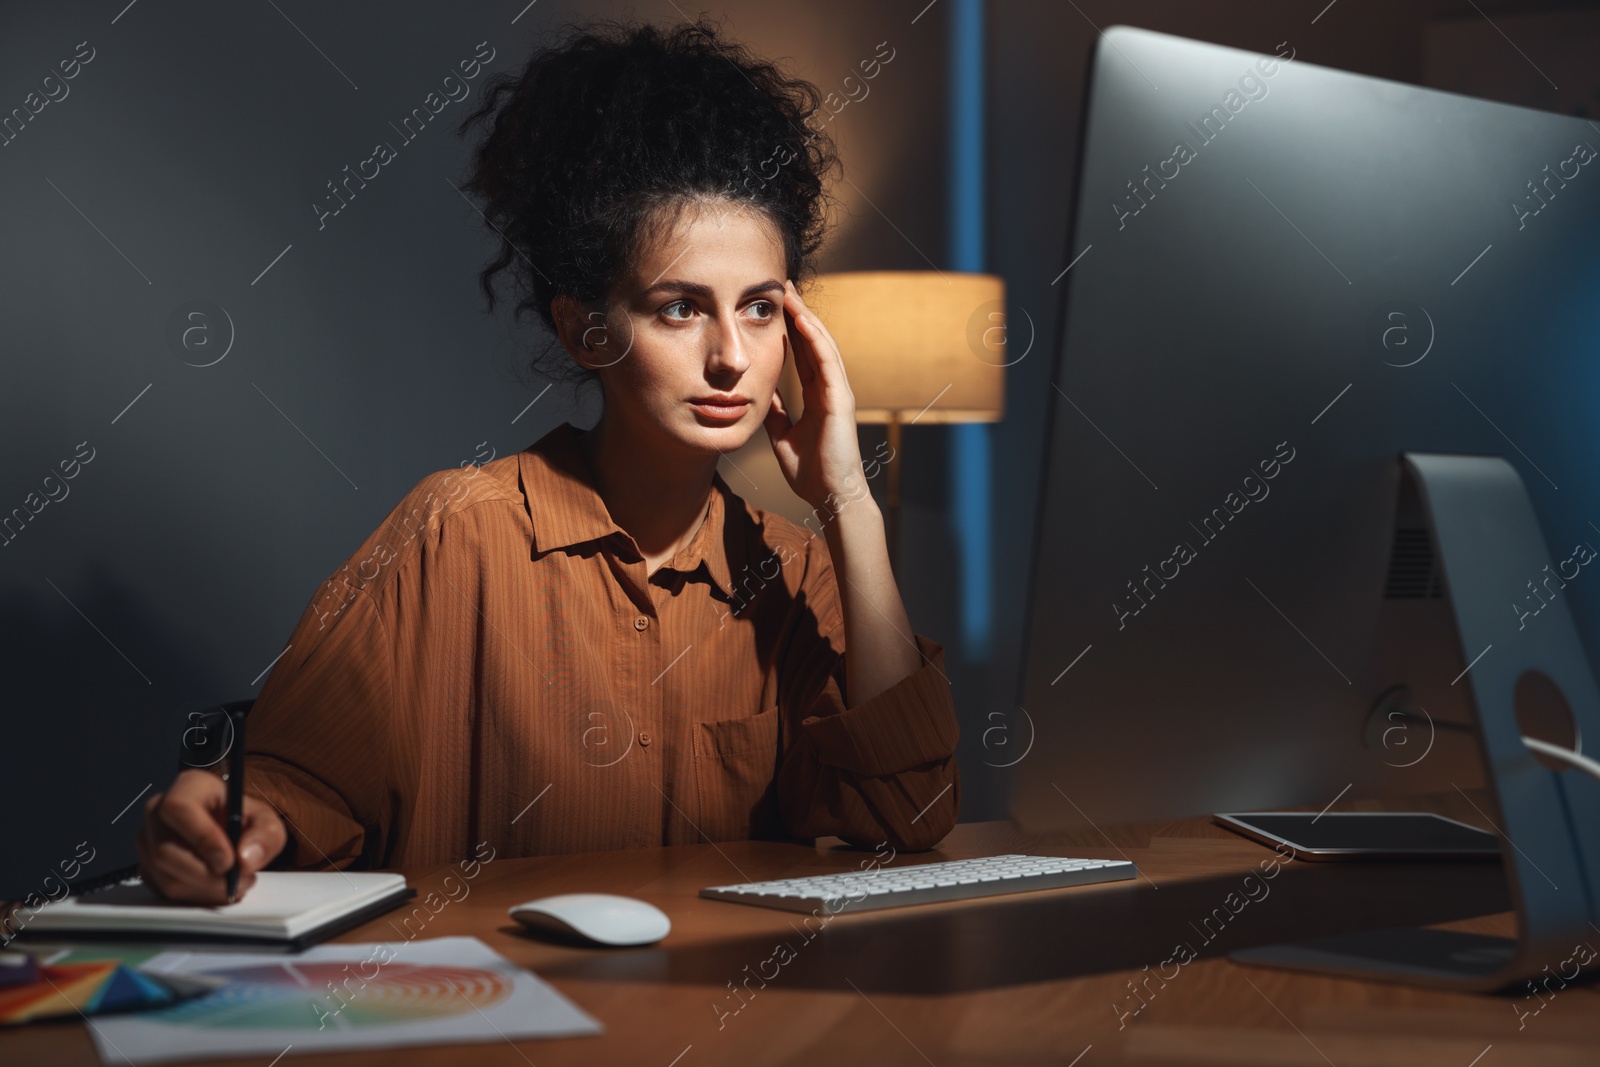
<point>925,345</point>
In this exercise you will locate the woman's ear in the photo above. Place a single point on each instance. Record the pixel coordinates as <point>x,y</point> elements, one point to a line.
<point>581,332</point>
<point>587,335</point>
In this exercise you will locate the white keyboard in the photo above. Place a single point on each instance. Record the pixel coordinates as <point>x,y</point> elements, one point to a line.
<point>891,887</point>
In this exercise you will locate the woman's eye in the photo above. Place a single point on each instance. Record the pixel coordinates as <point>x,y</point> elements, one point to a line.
<point>675,304</point>
<point>767,308</point>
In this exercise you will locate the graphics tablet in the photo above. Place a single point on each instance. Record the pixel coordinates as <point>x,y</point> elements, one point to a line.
<point>1364,835</point>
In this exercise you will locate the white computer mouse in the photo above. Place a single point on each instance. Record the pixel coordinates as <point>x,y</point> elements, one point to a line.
<point>599,918</point>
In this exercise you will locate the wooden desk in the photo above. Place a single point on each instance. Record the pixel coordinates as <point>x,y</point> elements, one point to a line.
<point>1031,978</point>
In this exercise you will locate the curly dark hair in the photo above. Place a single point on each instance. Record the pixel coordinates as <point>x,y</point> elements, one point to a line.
<point>605,137</point>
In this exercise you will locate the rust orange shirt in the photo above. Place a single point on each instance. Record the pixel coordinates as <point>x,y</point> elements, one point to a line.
<point>494,664</point>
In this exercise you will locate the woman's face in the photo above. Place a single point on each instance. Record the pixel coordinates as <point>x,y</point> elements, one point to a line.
<point>698,315</point>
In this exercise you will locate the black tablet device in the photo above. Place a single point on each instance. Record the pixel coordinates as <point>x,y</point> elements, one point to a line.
<point>1365,835</point>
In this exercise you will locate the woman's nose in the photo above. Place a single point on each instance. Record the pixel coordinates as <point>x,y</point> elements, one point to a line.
<point>728,352</point>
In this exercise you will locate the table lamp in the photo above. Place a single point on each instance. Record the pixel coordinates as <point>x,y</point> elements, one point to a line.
<point>918,346</point>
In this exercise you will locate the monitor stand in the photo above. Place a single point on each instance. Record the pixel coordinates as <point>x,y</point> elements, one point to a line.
<point>1492,553</point>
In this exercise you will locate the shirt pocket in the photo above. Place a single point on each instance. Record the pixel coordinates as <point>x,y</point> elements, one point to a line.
<point>735,769</point>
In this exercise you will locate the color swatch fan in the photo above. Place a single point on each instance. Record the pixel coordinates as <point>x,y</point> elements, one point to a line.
<point>94,988</point>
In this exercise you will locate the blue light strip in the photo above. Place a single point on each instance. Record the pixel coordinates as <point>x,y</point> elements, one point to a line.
<point>970,488</point>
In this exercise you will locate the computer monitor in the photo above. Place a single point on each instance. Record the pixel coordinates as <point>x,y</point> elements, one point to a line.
<point>1279,278</point>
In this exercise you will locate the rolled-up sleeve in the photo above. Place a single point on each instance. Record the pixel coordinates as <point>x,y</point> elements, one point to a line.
<point>882,770</point>
<point>320,738</point>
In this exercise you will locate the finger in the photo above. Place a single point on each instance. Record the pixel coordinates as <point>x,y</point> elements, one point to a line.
<point>799,341</point>
<point>183,893</point>
<point>263,835</point>
<point>156,876</point>
<point>777,421</point>
<point>825,352</point>
<point>179,875</point>
<point>827,364</point>
<point>144,846</point>
<point>171,871</point>
<point>178,864</point>
<point>143,836</point>
<point>189,815</point>
<point>208,889</point>
<point>805,316</point>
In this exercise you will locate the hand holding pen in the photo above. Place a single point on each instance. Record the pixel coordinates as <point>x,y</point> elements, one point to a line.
<point>185,848</point>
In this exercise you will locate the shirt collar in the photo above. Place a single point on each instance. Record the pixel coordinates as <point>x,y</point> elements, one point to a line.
<point>566,508</point>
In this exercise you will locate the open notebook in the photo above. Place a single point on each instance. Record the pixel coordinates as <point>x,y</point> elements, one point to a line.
<point>292,909</point>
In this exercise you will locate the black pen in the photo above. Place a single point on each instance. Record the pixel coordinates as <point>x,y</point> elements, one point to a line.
<point>235,796</point>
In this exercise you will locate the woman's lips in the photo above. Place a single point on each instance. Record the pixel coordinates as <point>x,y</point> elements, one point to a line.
<point>720,410</point>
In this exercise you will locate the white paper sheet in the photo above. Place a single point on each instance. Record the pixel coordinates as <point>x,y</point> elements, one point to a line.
<point>435,991</point>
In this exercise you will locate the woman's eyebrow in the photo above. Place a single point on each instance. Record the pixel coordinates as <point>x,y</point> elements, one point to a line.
<point>697,289</point>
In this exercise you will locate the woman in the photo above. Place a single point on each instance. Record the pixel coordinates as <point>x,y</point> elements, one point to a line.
<point>594,643</point>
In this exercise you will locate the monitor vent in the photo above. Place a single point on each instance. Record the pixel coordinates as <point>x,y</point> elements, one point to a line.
<point>1413,572</point>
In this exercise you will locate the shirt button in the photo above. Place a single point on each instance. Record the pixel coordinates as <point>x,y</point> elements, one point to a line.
<point>644,739</point>
<point>641,622</point>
